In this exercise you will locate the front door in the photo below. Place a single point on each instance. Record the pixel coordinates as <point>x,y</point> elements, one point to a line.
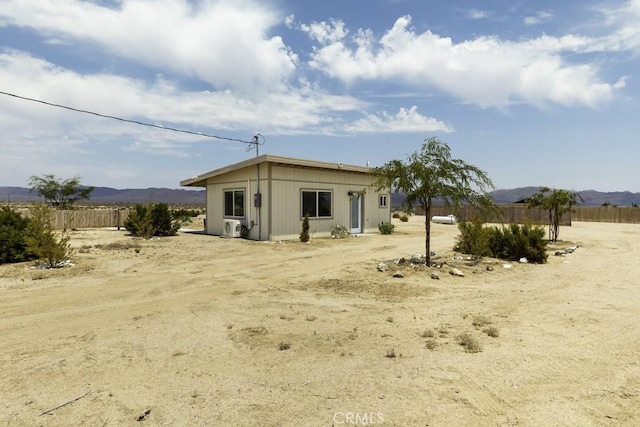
<point>356,214</point>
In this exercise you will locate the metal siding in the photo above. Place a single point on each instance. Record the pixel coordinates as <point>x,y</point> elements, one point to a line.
<point>281,188</point>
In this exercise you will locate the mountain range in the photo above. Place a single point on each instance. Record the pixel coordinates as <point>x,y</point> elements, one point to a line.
<point>109,196</point>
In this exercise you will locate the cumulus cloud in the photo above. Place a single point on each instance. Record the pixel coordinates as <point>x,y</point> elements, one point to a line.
<point>221,42</point>
<point>477,14</point>
<point>405,120</point>
<point>486,71</point>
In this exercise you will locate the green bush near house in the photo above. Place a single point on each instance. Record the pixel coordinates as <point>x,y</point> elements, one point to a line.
<point>386,228</point>
<point>510,242</point>
<point>13,246</point>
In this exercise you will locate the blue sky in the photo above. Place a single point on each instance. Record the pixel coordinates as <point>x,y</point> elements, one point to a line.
<point>532,92</point>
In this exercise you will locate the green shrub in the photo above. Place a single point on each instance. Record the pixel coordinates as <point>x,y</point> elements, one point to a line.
<point>395,215</point>
<point>340,231</point>
<point>42,240</point>
<point>304,234</point>
<point>404,218</point>
<point>386,228</point>
<point>163,222</point>
<point>147,221</point>
<point>13,246</point>
<point>511,242</point>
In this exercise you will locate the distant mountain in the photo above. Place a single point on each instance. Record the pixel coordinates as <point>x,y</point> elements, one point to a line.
<point>106,195</point>
<point>590,197</point>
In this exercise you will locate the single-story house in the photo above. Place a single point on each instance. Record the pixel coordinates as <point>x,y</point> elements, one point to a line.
<point>267,197</point>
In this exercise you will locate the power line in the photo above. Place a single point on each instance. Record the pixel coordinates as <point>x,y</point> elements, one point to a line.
<point>252,143</point>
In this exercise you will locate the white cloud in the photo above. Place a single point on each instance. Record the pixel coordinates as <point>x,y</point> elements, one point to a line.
<point>478,14</point>
<point>404,121</point>
<point>540,17</point>
<point>485,71</point>
<point>221,42</point>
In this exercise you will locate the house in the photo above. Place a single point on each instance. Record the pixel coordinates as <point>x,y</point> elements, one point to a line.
<point>267,197</point>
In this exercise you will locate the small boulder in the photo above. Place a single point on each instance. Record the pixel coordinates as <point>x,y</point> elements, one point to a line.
<point>489,267</point>
<point>456,272</point>
<point>382,267</point>
<point>398,275</point>
<point>435,276</point>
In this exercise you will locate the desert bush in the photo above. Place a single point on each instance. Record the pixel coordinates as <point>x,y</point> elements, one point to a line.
<point>42,240</point>
<point>340,231</point>
<point>13,246</point>
<point>492,331</point>
<point>163,222</point>
<point>510,242</point>
<point>151,220</point>
<point>404,218</point>
<point>386,228</point>
<point>395,215</point>
<point>304,234</point>
<point>470,344</point>
<point>183,215</point>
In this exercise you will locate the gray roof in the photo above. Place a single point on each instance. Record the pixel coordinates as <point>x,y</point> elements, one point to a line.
<point>201,180</point>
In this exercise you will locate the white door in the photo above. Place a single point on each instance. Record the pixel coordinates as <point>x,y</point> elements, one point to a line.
<point>356,214</point>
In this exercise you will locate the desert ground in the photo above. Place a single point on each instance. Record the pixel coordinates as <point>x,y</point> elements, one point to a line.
<point>198,330</point>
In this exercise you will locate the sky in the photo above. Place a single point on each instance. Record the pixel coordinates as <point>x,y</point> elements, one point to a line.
<point>534,93</point>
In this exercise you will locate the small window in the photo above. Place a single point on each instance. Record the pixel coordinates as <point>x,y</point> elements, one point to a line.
<point>383,201</point>
<point>234,203</point>
<point>316,204</point>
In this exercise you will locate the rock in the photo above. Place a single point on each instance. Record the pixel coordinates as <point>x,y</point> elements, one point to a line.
<point>382,267</point>
<point>489,267</point>
<point>416,259</point>
<point>559,253</point>
<point>435,276</point>
<point>456,272</point>
<point>523,260</point>
<point>507,265</point>
<point>398,275</point>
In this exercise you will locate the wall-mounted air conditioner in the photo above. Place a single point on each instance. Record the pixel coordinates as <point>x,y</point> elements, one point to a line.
<point>231,228</point>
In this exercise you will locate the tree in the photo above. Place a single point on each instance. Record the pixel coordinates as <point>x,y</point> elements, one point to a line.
<point>13,246</point>
<point>557,203</point>
<point>431,174</point>
<point>59,193</point>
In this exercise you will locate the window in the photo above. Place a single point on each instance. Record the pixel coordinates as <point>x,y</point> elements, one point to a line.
<point>234,203</point>
<point>317,204</point>
<point>383,201</point>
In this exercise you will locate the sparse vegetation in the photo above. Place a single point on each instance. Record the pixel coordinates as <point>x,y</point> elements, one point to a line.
<point>391,353</point>
<point>42,240</point>
<point>386,228</point>
<point>151,220</point>
<point>284,346</point>
<point>492,331</point>
<point>510,242</point>
<point>404,218</point>
<point>13,246</point>
<point>480,321</point>
<point>431,344</point>
<point>470,344</point>
<point>340,231</point>
<point>304,234</point>
<point>428,333</point>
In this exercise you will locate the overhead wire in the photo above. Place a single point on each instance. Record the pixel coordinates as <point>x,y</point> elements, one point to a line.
<point>252,143</point>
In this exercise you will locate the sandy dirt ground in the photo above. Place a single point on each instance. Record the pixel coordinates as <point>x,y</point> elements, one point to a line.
<point>200,330</point>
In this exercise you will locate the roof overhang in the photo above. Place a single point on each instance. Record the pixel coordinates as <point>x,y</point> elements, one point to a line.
<point>201,180</point>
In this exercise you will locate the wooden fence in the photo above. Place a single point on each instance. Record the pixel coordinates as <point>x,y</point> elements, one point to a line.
<point>515,213</point>
<point>627,215</point>
<point>85,218</point>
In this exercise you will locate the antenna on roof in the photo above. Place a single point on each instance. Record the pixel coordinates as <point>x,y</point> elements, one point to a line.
<point>256,142</point>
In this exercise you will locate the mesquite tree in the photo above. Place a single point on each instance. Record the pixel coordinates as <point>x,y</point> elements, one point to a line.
<point>60,193</point>
<point>431,174</point>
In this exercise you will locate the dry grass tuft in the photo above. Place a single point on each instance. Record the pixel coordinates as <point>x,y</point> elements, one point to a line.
<point>470,344</point>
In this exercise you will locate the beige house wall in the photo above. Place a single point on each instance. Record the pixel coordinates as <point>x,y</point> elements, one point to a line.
<point>281,186</point>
